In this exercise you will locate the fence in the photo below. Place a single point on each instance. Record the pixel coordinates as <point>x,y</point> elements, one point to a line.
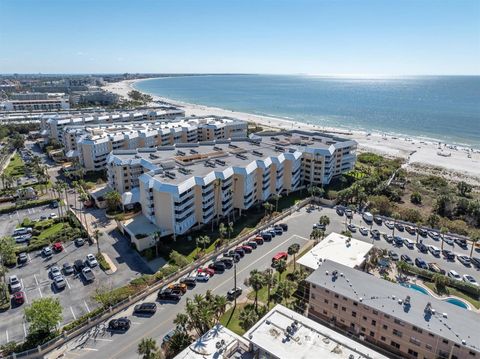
<point>69,335</point>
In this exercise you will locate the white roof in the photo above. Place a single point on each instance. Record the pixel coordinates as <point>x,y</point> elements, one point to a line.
<point>132,196</point>
<point>218,342</point>
<point>308,339</point>
<point>338,248</point>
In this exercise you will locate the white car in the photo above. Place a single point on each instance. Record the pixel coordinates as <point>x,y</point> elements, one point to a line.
<point>55,272</point>
<point>203,277</point>
<point>389,224</point>
<point>47,252</point>
<point>408,243</point>
<point>448,240</point>
<point>363,231</point>
<point>454,275</point>
<point>22,238</point>
<point>352,228</point>
<point>470,280</point>
<point>14,283</point>
<point>434,250</point>
<point>52,215</point>
<point>91,260</point>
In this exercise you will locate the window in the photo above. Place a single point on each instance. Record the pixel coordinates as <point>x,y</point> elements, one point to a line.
<point>354,314</point>
<point>374,322</point>
<point>336,295</point>
<point>364,318</point>
<point>471,353</point>
<point>430,334</point>
<point>355,304</point>
<point>363,329</point>
<point>399,322</point>
<point>413,353</point>
<point>387,316</point>
<point>335,305</point>
<point>456,345</point>
<point>325,312</point>
<point>395,344</point>
<point>344,309</point>
<point>325,301</point>
<point>326,290</point>
<point>397,333</point>
<point>385,326</point>
<point>445,341</point>
<point>382,339</point>
<point>314,286</point>
<point>415,341</point>
<point>418,330</point>
<point>372,334</point>
<point>375,312</point>
<point>345,298</point>
<point>428,346</point>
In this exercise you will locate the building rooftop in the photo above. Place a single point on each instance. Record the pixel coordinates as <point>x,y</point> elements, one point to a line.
<point>219,342</point>
<point>284,333</point>
<point>409,306</point>
<point>347,251</point>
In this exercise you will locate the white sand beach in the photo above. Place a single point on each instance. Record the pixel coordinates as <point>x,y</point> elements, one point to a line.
<point>455,163</point>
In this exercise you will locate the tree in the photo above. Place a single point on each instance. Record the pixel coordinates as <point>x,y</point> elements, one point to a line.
<point>475,238</point>
<point>433,220</point>
<point>440,282</point>
<point>284,290</point>
<point>416,198</point>
<point>317,234</point>
<point>294,250</point>
<point>114,199</point>
<point>178,341</point>
<point>148,348</point>
<point>276,197</point>
<point>256,280</point>
<point>43,315</point>
<point>7,251</point>
<point>222,231</point>
<point>268,207</point>
<point>315,191</point>
<point>203,241</point>
<point>97,234</point>
<point>443,231</point>
<point>464,188</point>
<point>178,259</point>
<point>280,266</point>
<point>247,317</point>
<point>270,281</point>
<point>230,229</point>
<point>324,220</point>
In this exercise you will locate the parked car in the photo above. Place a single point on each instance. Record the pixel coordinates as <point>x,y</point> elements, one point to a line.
<point>59,282</point>
<point>467,278</point>
<point>400,226</point>
<point>454,275</point>
<point>233,255</point>
<point>22,258</point>
<point>448,240</point>
<point>91,260</point>
<point>433,267</point>
<point>79,265</point>
<point>203,277</point>
<point>349,213</point>
<point>240,251</point>
<point>47,252</point>
<point>420,263</point>
<point>234,293</point>
<point>228,262</point>
<point>52,215</point>
<point>393,256</point>
<point>218,266</point>
<point>22,238</point>
<point>461,242</point>
<point>408,243</point>
<point>406,259</point>
<point>14,284</point>
<point>434,250</point>
<point>265,237</point>
<point>465,260</point>
<point>284,226</point>
<point>421,231</point>
<point>54,272</point>
<point>67,268</point>
<point>398,241</point>
<point>182,288</point>
<point>121,324</point>
<point>259,239</point>
<point>57,247</point>
<point>389,224</point>
<point>363,231</point>
<point>271,232</point>
<point>18,298</point>
<point>294,248</point>
<point>145,308</point>
<point>352,228</point>
<point>88,274</point>
<point>319,226</point>
<point>169,294</point>
<point>422,247</point>
<point>207,270</point>
<point>475,261</point>
<point>449,255</point>
<point>189,281</point>
<point>340,210</point>
<point>378,220</point>
<point>388,238</point>
<point>367,217</point>
<point>79,242</point>
<point>54,204</point>
<point>21,231</point>
<point>278,230</point>
<point>375,233</point>
<point>252,244</point>
<point>247,249</point>
<point>410,230</point>
<point>434,235</point>
<point>279,256</point>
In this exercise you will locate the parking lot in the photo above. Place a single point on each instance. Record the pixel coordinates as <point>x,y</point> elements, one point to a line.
<point>76,298</point>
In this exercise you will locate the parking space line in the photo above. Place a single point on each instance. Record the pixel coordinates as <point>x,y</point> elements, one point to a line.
<point>104,340</point>
<point>40,291</point>
<point>24,329</point>
<point>28,256</point>
<point>6,332</point>
<point>26,297</point>
<point>86,306</point>
<point>137,323</point>
<point>36,280</point>
<point>68,284</point>
<point>74,316</point>
<point>90,349</point>
<point>21,282</point>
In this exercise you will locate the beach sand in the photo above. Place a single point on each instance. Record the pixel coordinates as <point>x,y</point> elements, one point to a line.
<point>421,155</point>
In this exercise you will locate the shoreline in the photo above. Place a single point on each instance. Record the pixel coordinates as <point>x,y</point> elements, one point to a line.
<point>421,154</point>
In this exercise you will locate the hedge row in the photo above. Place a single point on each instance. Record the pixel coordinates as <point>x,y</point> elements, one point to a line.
<point>102,262</point>
<point>29,204</point>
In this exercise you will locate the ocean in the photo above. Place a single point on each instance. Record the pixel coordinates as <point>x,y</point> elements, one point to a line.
<point>441,108</point>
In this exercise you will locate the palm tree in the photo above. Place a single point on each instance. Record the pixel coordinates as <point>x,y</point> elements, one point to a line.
<point>284,290</point>
<point>475,238</point>
<point>294,250</point>
<point>114,199</point>
<point>247,317</point>
<point>324,220</point>
<point>97,235</point>
<point>443,231</point>
<point>315,191</point>
<point>156,237</point>
<point>219,306</point>
<point>256,280</point>
<point>181,321</point>
<point>203,241</point>
<point>230,229</point>
<point>276,197</point>
<point>222,231</point>
<point>268,207</point>
<point>270,281</point>
<point>280,266</point>
<point>440,281</point>
<point>148,348</point>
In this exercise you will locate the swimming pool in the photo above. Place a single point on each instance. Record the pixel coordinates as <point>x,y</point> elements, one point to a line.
<point>454,301</point>
<point>457,302</point>
<point>415,287</point>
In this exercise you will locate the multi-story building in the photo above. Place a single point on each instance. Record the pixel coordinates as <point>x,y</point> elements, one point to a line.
<point>324,156</point>
<point>403,321</point>
<point>36,102</point>
<point>91,144</point>
<point>52,127</point>
<point>95,97</point>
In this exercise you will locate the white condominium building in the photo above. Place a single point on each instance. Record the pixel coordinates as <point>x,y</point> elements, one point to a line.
<point>36,102</point>
<point>52,127</point>
<point>91,144</point>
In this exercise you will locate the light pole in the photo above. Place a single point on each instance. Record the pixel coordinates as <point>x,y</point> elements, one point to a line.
<point>235,283</point>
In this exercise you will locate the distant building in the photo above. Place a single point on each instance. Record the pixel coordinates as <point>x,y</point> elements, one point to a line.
<point>97,97</point>
<point>339,248</point>
<point>403,321</point>
<point>283,333</point>
<point>35,102</point>
<point>218,343</point>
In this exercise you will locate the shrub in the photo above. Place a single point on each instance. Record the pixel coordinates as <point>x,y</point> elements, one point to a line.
<point>166,271</point>
<point>178,259</point>
<point>416,198</point>
<point>5,301</point>
<point>142,281</point>
<point>82,320</point>
<point>102,262</point>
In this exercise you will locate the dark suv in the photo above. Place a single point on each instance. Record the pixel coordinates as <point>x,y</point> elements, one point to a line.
<point>234,293</point>
<point>217,266</point>
<point>169,294</point>
<point>145,308</point>
<point>122,324</point>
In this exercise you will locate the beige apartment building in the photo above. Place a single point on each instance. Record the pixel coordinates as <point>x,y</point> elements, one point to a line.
<point>403,321</point>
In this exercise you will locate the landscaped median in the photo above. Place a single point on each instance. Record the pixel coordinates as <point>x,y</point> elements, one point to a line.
<point>29,204</point>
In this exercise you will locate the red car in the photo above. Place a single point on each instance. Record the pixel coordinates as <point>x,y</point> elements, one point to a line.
<point>57,246</point>
<point>209,271</point>
<point>247,249</point>
<point>279,256</point>
<point>19,298</point>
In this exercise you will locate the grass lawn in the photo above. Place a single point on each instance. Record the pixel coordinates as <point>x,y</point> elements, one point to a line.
<point>92,178</point>
<point>455,292</point>
<point>230,319</point>
<point>16,167</point>
<point>50,231</point>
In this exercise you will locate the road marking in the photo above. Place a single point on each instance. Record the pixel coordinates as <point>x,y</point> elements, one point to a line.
<point>68,284</point>
<point>74,316</point>
<point>6,332</point>
<point>90,349</point>
<point>64,249</point>
<point>40,291</point>
<point>24,329</point>
<point>138,323</point>
<point>28,256</point>
<point>86,306</point>
<point>36,280</point>
<point>21,281</point>
<point>26,298</point>
<point>259,259</point>
<point>104,340</point>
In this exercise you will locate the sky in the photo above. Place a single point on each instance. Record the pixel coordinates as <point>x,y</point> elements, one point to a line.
<point>375,37</point>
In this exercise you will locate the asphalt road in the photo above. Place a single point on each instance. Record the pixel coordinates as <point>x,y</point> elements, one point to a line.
<point>100,343</point>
